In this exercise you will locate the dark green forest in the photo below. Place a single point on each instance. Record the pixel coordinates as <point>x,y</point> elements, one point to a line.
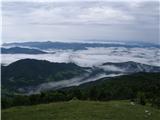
<point>143,88</point>
<point>30,72</point>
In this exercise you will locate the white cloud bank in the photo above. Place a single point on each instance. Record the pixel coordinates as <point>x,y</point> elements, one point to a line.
<point>67,83</point>
<point>94,56</point>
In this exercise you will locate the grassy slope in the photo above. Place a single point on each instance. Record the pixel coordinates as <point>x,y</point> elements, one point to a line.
<point>82,110</point>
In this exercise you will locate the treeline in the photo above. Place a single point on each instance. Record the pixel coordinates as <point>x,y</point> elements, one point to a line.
<point>141,87</point>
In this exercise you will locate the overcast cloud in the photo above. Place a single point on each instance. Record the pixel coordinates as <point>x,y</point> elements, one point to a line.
<point>76,21</point>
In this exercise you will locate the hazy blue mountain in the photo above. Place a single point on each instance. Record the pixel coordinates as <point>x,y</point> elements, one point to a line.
<point>129,67</point>
<point>75,46</point>
<point>19,50</point>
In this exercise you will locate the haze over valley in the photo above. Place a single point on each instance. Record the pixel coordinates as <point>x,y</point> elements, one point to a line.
<point>82,54</point>
<point>97,60</point>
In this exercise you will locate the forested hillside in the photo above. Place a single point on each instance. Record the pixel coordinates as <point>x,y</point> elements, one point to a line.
<point>140,87</point>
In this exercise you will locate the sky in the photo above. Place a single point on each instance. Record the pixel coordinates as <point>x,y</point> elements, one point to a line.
<point>64,20</point>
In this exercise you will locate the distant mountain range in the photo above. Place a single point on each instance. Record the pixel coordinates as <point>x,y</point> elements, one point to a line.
<point>76,46</point>
<point>28,74</point>
<point>20,50</point>
<point>129,67</point>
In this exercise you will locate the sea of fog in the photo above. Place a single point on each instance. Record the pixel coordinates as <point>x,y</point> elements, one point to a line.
<point>93,56</point>
<point>87,58</point>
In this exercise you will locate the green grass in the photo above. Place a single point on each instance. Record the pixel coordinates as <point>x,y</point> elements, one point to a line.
<point>82,110</point>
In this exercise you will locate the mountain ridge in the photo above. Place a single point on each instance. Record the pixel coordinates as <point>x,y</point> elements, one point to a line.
<point>30,73</point>
<point>131,66</point>
<point>74,45</point>
<point>20,50</point>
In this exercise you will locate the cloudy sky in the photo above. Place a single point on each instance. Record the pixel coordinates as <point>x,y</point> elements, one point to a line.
<point>63,20</point>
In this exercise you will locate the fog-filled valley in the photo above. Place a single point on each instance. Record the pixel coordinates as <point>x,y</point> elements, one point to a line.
<point>89,56</point>
<point>95,60</point>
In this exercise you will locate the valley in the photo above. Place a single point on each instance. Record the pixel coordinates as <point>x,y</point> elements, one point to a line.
<point>31,76</point>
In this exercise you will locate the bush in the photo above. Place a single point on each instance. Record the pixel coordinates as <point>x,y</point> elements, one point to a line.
<point>6,103</point>
<point>141,98</point>
<point>156,102</point>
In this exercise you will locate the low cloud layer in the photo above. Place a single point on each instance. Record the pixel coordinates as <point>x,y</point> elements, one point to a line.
<point>94,56</point>
<point>67,83</point>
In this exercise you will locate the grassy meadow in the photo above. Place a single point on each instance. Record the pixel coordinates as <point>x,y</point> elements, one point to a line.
<point>82,110</point>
